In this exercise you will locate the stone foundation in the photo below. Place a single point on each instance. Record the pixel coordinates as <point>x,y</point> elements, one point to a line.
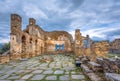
<point>15,57</point>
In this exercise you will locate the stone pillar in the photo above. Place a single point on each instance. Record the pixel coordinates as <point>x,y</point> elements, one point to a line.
<point>15,37</point>
<point>78,42</point>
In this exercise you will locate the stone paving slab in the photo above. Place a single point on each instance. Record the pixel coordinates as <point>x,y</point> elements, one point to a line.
<point>37,71</point>
<point>43,68</point>
<point>48,72</point>
<point>5,76</point>
<point>38,77</point>
<point>62,68</point>
<point>14,77</point>
<point>59,72</point>
<point>64,78</point>
<point>27,76</point>
<point>53,77</point>
<point>78,77</point>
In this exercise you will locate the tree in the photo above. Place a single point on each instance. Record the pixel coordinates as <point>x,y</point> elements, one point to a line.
<point>5,48</point>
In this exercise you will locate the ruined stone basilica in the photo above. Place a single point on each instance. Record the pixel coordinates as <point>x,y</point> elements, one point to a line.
<point>34,41</point>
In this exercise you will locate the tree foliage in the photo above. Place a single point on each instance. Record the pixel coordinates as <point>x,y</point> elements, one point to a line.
<point>5,48</point>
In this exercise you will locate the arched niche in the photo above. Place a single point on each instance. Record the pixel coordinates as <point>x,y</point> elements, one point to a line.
<point>36,42</point>
<point>24,39</point>
<point>31,40</point>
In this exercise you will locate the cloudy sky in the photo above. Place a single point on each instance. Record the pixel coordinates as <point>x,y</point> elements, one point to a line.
<point>98,18</point>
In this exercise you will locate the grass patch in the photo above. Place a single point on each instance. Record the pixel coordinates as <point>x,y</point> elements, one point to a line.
<point>111,55</point>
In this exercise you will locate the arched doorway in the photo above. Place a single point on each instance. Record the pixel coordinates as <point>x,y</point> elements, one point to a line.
<point>23,44</point>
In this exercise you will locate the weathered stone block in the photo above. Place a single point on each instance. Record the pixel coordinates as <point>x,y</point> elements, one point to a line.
<point>111,65</point>
<point>112,77</point>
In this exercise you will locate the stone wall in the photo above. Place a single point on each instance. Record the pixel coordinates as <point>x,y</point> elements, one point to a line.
<point>115,46</point>
<point>33,40</point>
<point>100,49</point>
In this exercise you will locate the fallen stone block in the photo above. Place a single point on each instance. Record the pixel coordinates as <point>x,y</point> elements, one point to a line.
<point>86,69</point>
<point>94,66</point>
<point>109,65</point>
<point>112,77</point>
<point>94,77</point>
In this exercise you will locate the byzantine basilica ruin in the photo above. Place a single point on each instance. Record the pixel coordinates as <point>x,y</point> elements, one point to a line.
<point>36,54</point>
<point>34,41</point>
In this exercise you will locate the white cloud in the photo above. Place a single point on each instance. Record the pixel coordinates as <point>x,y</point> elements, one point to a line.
<point>9,5</point>
<point>4,40</point>
<point>72,33</point>
<point>100,32</point>
<point>115,37</point>
<point>34,11</point>
<point>95,17</point>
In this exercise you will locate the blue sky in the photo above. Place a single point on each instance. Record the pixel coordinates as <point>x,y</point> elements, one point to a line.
<point>98,18</point>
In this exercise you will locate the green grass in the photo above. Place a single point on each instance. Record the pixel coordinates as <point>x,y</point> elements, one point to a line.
<point>113,55</point>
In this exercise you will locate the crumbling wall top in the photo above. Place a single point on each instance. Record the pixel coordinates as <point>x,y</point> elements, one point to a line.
<point>32,21</point>
<point>16,17</point>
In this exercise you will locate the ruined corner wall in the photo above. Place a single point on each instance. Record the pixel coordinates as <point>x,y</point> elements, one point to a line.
<point>100,49</point>
<point>84,46</point>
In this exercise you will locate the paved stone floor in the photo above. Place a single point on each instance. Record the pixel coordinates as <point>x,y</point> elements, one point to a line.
<point>61,69</point>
